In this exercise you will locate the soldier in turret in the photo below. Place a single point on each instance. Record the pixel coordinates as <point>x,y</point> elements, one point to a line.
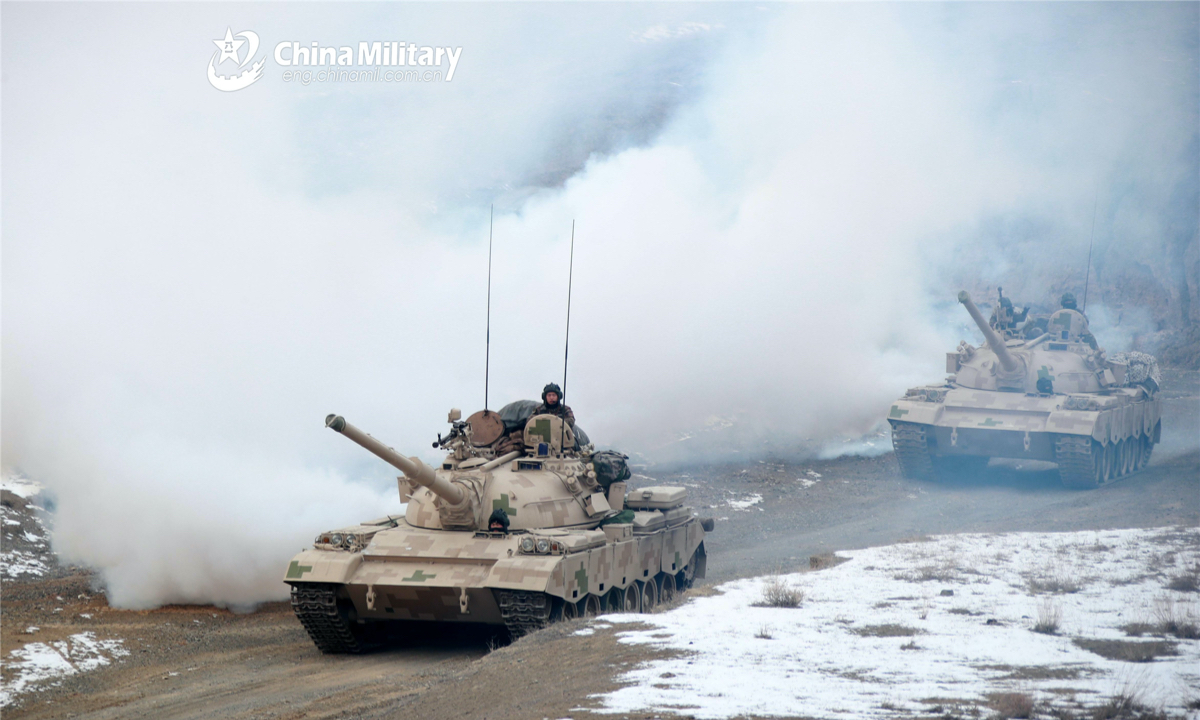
<point>552,404</point>
<point>1005,318</point>
<point>1071,324</point>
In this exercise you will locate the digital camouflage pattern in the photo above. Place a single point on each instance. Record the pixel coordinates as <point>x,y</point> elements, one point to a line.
<point>1053,397</point>
<point>440,563</point>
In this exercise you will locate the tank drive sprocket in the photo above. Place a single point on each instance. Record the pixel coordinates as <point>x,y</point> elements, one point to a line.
<point>316,606</point>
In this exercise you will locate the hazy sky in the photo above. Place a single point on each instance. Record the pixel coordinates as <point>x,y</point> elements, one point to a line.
<point>774,208</point>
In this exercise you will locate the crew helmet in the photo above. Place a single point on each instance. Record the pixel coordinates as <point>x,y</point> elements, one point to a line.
<point>552,388</point>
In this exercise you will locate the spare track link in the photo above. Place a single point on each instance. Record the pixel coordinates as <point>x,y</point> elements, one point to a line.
<point>524,611</point>
<point>912,451</point>
<point>316,606</point>
<point>1076,458</point>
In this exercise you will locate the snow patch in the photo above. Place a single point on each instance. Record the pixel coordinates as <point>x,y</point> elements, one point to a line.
<point>745,503</point>
<point>19,485</point>
<point>38,666</point>
<point>951,618</point>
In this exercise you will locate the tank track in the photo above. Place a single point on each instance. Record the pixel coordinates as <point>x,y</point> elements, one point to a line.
<point>316,607</point>
<point>912,451</point>
<point>1076,457</point>
<point>524,611</point>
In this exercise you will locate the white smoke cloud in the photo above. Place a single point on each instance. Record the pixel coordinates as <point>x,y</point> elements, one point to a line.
<point>193,280</point>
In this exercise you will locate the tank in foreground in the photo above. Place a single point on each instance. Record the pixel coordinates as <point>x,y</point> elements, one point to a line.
<point>1055,397</point>
<point>576,544</point>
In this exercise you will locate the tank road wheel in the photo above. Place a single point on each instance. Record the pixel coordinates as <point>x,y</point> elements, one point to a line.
<point>524,611</point>
<point>666,588</point>
<point>590,606</point>
<point>912,451</point>
<point>1080,462</point>
<point>649,593</point>
<point>632,599</point>
<point>570,610</point>
<point>327,618</point>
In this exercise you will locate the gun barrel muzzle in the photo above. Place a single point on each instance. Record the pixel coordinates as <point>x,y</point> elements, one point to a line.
<point>412,468</point>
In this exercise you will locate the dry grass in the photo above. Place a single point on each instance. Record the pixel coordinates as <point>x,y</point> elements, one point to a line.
<point>1175,618</point>
<point>1189,581</point>
<point>826,560</point>
<point>764,633</point>
<point>779,593</point>
<point>1128,650</point>
<point>1125,706</point>
<point>887,630</point>
<point>1055,585</point>
<point>1012,705</point>
<point>1049,617</point>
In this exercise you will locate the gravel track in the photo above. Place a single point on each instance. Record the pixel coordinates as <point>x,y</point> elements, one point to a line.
<point>773,514</point>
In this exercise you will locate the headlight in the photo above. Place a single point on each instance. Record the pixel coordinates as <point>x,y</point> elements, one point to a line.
<point>320,539</point>
<point>336,539</point>
<point>527,544</point>
<point>543,545</point>
<point>349,541</point>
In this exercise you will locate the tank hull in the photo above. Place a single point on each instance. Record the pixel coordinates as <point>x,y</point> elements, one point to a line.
<point>936,425</point>
<point>410,574</point>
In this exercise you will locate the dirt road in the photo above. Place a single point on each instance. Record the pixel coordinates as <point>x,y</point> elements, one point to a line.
<point>192,662</point>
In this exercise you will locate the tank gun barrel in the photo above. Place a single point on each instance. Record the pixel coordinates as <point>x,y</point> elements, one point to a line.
<point>994,341</point>
<point>413,468</point>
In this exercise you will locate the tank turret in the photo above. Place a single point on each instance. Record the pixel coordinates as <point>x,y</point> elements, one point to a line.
<point>522,523</point>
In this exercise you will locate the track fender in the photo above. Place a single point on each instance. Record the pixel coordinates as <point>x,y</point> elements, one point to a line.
<point>527,572</point>
<point>323,566</point>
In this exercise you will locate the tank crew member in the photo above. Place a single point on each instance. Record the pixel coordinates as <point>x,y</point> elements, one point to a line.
<point>498,522</point>
<point>1003,316</point>
<point>552,404</point>
<point>1071,324</point>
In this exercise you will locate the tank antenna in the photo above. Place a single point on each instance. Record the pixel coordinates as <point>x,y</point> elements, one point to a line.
<point>487,353</point>
<point>567,344</point>
<point>1088,276</point>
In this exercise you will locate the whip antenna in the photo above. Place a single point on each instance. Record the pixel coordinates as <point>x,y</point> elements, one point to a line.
<point>487,353</point>
<point>567,344</point>
<point>1088,277</point>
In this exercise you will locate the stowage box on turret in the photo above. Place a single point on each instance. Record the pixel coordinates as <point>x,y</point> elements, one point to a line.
<point>1046,393</point>
<point>573,543</point>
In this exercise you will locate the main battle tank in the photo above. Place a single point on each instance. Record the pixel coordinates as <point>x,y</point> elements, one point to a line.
<point>576,543</point>
<point>1049,393</point>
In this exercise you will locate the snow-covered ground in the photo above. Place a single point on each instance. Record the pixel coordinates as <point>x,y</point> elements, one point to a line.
<point>40,665</point>
<point>936,626</point>
<point>26,541</point>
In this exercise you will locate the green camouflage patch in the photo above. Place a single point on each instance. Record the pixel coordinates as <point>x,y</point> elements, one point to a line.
<point>581,579</point>
<point>988,422</point>
<point>419,576</point>
<point>502,504</point>
<point>296,570</point>
<point>1044,373</point>
<point>897,412</point>
<point>678,560</point>
<point>541,429</point>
